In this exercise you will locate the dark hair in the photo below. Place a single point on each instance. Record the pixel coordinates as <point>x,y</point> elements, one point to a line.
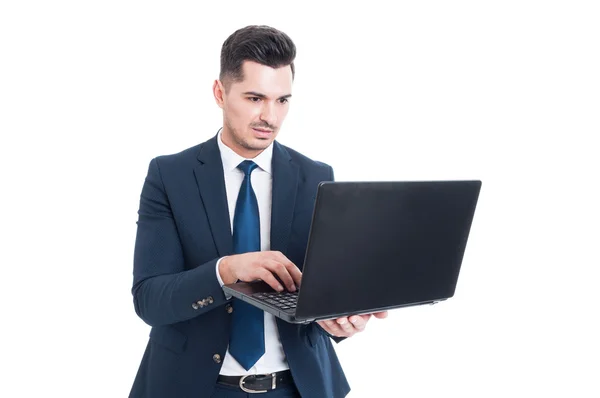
<point>259,43</point>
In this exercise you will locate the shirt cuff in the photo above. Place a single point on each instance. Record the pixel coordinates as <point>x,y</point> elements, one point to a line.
<point>219,275</point>
<point>227,296</point>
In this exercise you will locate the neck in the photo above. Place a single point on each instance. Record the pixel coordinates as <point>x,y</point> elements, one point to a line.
<point>236,147</point>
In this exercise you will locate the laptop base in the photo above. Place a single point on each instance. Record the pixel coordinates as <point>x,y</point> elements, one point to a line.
<point>245,291</point>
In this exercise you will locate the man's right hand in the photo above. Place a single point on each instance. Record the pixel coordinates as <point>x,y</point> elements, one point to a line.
<point>264,265</point>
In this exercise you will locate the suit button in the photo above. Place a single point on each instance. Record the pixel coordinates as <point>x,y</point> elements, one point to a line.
<point>210,300</point>
<point>229,308</point>
<point>217,358</point>
<point>201,303</point>
<point>195,306</point>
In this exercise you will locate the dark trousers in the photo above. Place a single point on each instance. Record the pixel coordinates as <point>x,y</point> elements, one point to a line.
<point>223,391</point>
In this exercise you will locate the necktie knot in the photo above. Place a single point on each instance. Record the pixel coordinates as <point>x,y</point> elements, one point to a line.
<point>247,166</point>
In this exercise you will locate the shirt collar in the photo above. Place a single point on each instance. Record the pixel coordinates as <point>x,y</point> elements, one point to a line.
<point>231,160</point>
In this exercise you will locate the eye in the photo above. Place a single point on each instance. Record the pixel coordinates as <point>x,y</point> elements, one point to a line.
<point>254,99</point>
<point>283,101</point>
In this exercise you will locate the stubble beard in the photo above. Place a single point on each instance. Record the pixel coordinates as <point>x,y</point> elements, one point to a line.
<point>241,142</point>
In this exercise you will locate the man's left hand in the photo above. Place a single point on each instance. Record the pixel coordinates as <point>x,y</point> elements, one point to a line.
<point>348,326</point>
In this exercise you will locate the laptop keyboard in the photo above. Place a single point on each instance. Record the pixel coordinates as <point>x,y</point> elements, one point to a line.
<point>285,300</point>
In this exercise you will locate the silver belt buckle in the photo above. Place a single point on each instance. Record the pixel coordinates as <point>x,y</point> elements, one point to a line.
<point>249,391</point>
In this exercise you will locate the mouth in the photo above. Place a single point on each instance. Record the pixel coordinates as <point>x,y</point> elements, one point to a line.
<point>262,133</point>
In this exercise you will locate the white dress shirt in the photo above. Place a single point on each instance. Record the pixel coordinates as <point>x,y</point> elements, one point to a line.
<point>262,182</point>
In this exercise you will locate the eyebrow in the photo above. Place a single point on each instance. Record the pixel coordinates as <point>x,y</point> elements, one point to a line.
<point>259,95</point>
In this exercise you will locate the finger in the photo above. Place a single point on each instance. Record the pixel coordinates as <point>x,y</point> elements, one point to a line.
<point>381,315</point>
<point>281,271</point>
<point>291,267</point>
<point>295,273</point>
<point>336,330</point>
<point>359,322</point>
<point>269,279</point>
<point>346,326</point>
<point>366,317</point>
<point>326,328</point>
<point>332,328</point>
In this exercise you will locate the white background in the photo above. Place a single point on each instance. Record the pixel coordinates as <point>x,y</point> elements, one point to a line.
<point>506,92</point>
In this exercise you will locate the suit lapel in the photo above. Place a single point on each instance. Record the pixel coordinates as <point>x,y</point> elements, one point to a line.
<point>211,184</point>
<point>285,186</point>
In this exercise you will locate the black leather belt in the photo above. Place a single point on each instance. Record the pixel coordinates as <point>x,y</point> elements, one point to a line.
<point>258,383</point>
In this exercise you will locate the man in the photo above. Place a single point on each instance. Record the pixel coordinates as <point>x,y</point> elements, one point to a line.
<point>236,207</point>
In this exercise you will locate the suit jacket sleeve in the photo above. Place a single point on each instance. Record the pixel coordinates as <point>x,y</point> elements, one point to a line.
<point>164,292</point>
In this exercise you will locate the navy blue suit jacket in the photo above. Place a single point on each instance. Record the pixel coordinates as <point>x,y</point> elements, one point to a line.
<point>182,230</point>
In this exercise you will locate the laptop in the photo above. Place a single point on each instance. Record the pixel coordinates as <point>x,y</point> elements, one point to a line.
<point>375,246</point>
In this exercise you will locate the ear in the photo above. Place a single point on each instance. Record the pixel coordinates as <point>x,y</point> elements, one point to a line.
<point>219,93</point>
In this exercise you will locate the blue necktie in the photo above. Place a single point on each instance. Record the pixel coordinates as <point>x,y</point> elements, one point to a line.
<point>247,340</point>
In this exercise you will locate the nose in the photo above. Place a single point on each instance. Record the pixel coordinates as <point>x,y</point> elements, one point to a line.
<point>269,114</point>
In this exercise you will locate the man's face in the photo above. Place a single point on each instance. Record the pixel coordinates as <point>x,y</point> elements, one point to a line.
<point>254,109</point>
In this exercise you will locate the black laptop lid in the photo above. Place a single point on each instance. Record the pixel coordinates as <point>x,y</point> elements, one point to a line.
<point>385,244</point>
